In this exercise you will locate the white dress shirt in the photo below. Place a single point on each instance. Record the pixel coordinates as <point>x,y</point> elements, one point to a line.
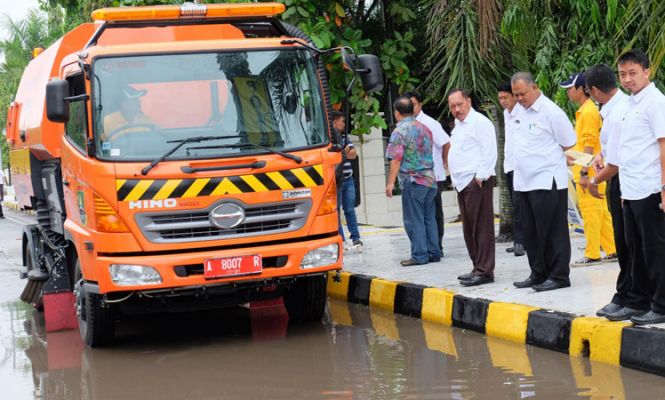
<point>540,133</point>
<point>639,152</point>
<point>472,150</point>
<point>509,142</point>
<point>612,112</point>
<point>439,139</point>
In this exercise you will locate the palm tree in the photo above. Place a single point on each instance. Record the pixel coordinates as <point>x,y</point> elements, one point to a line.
<point>645,19</point>
<point>35,30</point>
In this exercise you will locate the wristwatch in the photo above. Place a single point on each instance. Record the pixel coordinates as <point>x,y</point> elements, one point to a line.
<point>593,181</point>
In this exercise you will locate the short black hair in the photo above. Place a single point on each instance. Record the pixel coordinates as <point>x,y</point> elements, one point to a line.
<point>465,93</point>
<point>601,76</point>
<point>505,87</point>
<point>635,55</point>
<point>403,105</point>
<point>415,94</point>
<point>335,115</point>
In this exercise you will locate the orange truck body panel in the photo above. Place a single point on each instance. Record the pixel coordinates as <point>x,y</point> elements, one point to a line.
<point>88,178</point>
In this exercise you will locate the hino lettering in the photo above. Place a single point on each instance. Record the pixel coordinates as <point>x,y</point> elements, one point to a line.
<point>141,204</point>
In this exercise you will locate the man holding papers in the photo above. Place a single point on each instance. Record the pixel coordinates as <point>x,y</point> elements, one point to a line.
<point>598,229</point>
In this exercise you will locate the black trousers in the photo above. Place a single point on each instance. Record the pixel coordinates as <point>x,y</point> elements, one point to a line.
<point>439,211</point>
<point>546,236</point>
<point>644,223</point>
<point>518,234</point>
<point>623,296</point>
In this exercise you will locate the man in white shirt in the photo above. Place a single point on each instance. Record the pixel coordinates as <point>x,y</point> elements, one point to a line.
<point>641,161</point>
<point>440,146</point>
<point>601,84</point>
<point>542,133</point>
<point>471,160</point>
<point>510,108</point>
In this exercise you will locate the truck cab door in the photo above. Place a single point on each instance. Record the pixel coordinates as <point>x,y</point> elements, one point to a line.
<point>74,152</point>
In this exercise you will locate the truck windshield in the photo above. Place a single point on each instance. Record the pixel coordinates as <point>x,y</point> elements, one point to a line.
<point>250,99</point>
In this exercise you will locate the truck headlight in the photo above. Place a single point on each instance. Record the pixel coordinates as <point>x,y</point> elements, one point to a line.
<point>130,275</point>
<point>320,257</point>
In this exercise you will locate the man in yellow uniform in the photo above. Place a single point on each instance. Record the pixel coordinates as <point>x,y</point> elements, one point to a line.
<point>597,219</point>
<point>129,114</point>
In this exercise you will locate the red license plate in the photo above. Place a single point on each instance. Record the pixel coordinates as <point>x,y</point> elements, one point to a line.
<point>232,266</point>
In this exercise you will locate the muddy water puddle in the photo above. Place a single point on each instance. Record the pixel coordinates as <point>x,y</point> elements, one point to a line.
<point>355,353</point>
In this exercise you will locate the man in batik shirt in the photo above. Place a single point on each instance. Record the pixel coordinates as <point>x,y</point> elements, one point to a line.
<point>410,154</point>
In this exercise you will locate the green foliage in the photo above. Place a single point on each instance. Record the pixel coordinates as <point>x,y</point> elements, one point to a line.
<point>37,29</point>
<point>456,58</point>
<point>344,23</point>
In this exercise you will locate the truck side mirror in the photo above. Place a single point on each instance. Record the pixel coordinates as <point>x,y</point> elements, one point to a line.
<point>370,71</point>
<point>57,108</point>
<point>348,60</point>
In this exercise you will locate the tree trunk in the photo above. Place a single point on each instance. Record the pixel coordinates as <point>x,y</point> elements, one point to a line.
<point>505,203</point>
<point>390,87</point>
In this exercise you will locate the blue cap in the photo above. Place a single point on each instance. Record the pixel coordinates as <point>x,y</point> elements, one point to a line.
<point>575,80</point>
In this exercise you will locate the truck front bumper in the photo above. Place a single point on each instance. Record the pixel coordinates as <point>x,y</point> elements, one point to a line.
<point>180,271</point>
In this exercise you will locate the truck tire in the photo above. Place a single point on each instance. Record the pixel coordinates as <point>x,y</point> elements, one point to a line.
<point>305,300</point>
<point>96,319</point>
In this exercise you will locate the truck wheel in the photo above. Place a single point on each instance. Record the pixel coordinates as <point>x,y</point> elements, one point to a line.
<point>305,300</point>
<point>96,319</point>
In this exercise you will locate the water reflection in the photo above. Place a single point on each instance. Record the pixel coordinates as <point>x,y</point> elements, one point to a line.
<point>356,353</point>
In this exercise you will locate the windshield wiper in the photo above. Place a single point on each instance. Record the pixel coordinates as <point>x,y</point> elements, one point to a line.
<point>254,146</point>
<point>182,142</point>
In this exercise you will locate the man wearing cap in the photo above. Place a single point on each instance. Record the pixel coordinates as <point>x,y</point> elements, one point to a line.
<point>601,83</point>
<point>542,133</point>
<point>641,161</point>
<point>597,220</point>
<point>471,160</point>
<point>440,145</point>
<point>129,114</point>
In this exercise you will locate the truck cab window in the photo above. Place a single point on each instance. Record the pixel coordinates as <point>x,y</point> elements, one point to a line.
<point>252,101</point>
<point>76,127</point>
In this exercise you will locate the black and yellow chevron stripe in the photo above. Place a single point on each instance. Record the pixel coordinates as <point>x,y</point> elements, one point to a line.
<point>160,189</point>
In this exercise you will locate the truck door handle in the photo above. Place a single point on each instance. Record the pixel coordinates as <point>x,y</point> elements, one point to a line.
<point>65,182</point>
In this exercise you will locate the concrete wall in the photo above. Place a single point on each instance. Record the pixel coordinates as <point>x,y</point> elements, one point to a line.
<point>375,208</point>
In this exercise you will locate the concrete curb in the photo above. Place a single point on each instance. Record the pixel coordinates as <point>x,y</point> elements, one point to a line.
<point>614,343</point>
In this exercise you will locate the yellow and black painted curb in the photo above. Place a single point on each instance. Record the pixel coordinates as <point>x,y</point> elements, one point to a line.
<point>615,343</point>
<point>161,189</point>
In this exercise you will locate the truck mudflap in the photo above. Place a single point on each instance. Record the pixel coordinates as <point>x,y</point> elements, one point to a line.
<point>49,284</point>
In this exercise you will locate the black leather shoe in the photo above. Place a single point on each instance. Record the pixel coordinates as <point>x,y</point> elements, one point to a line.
<point>410,262</point>
<point>528,282</point>
<point>624,314</point>
<point>608,308</point>
<point>466,277</point>
<point>549,285</point>
<point>648,318</point>
<point>434,259</point>
<point>510,249</point>
<point>477,280</point>
<point>519,250</point>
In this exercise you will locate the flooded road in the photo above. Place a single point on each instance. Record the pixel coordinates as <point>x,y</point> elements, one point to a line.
<point>246,353</point>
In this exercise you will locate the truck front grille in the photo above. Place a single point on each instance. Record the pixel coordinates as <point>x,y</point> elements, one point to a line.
<point>195,225</point>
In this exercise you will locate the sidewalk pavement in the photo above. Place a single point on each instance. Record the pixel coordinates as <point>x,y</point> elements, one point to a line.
<point>591,287</point>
